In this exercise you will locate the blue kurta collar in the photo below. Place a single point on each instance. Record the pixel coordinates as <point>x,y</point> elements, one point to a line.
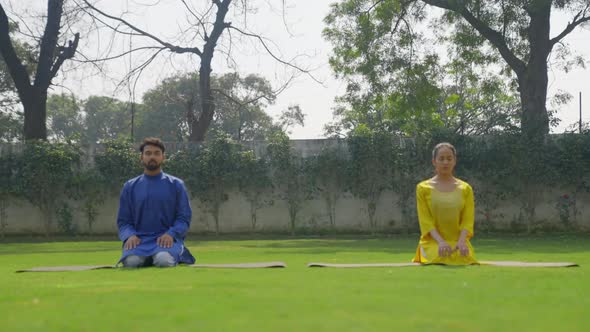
<point>158,176</point>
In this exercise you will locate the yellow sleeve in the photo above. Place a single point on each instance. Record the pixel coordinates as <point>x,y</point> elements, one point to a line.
<point>424,215</point>
<point>468,213</point>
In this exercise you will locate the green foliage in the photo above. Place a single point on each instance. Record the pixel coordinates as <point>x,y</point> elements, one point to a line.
<point>371,161</point>
<point>388,52</point>
<point>254,181</point>
<point>64,117</point>
<point>11,124</point>
<point>503,170</point>
<point>9,164</point>
<point>240,103</point>
<point>411,164</point>
<point>106,119</point>
<point>91,187</point>
<point>573,164</point>
<point>288,175</point>
<point>65,220</point>
<point>183,164</point>
<point>327,172</point>
<point>88,121</point>
<point>27,54</point>
<point>46,175</point>
<point>117,163</point>
<point>215,173</point>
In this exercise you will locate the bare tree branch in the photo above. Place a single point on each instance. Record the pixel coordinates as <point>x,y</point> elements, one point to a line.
<point>114,28</point>
<point>17,69</point>
<point>578,19</point>
<point>121,55</point>
<point>173,48</point>
<point>286,63</point>
<point>48,45</point>
<point>64,54</point>
<point>268,98</point>
<point>194,15</point>
<point>139,69</point>
<point>490,34</point>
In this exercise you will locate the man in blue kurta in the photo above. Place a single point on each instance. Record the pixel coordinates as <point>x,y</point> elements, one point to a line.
<point>154,214</point>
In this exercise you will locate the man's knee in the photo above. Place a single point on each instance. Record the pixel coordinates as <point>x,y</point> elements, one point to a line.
<point>164,259</point>
<point>134,261</point>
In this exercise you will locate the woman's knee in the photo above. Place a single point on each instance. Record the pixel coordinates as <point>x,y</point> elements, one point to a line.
<point>164,259</point>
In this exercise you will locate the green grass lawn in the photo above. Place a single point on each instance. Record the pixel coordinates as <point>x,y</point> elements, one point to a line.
<point>433,298</point>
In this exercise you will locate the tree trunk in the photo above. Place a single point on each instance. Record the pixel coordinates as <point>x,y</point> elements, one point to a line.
<point>533,81</point>
<point>35,114</point>
<point>207,104</point>
<point>33,96</point>
<point>533,97</point>
<point>200,126</point>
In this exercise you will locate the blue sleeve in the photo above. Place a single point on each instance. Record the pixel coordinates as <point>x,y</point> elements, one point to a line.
<point>182,218</point>
<point>124,216</point>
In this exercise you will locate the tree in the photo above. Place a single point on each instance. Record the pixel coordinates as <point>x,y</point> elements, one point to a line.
<point>288,175</point>
<point>11,118</point>
<point>209,26</point>
<point>292,116</point>
<point>10,126</point>
<point>512,33</point>
<point>241,101</point>
<point>90,121</point>
<point>64,116</point>
<point>10,186</point>
<point>477,104</point>
<point>328,176</point>
<point>8,96</point>
<point>106,118</point>
<point>217,173</point>
<point>46,174</point>
<point>254,182</point>
<point>32,91</point>
<point>370,164</point>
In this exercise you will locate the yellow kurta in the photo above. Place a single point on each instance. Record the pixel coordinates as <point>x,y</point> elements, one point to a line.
<point>449,213</point>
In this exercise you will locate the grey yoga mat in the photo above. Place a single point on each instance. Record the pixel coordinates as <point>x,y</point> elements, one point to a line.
<point>96,267</point>
<point>67,268</point>
<point>489,263</point>
<point>242,265</point>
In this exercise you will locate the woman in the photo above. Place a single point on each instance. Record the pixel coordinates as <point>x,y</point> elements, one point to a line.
<point>446,213</point>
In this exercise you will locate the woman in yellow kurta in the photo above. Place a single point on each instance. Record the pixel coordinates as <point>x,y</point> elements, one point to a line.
<point>446,213</point>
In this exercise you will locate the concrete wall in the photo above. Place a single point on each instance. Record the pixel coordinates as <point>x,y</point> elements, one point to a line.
<point>351,216</point>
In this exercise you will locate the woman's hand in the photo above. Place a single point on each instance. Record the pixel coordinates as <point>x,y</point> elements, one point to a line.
<point>462,247</point>
<point>444,249</point>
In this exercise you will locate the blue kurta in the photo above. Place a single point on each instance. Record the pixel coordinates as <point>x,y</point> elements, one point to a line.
<point>151,206</point>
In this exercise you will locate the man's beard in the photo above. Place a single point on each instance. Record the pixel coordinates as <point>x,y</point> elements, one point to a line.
<point>151,165</point>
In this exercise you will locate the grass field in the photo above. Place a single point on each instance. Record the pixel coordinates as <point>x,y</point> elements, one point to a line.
<point>433,298</point>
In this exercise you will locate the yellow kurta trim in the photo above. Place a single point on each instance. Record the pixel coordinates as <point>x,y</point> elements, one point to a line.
<point>449,213</point>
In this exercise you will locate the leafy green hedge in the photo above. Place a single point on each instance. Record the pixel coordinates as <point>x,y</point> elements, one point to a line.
<point>501,169</point>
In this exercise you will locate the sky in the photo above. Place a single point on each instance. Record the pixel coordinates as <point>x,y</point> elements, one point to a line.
<point>293,32</point>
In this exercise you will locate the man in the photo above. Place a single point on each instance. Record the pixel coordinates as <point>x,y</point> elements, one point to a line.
<point>154,214</point>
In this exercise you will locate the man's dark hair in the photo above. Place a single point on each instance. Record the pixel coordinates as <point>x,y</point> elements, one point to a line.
<point>152,141</point>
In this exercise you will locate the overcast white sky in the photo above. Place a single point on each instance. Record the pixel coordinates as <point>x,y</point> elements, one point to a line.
<point>304,19</point>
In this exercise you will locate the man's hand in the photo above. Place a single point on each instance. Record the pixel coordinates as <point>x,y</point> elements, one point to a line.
<point>165,241</point>
<point>462,247</point>
<point>444,249</point>
<point>132,242</point>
